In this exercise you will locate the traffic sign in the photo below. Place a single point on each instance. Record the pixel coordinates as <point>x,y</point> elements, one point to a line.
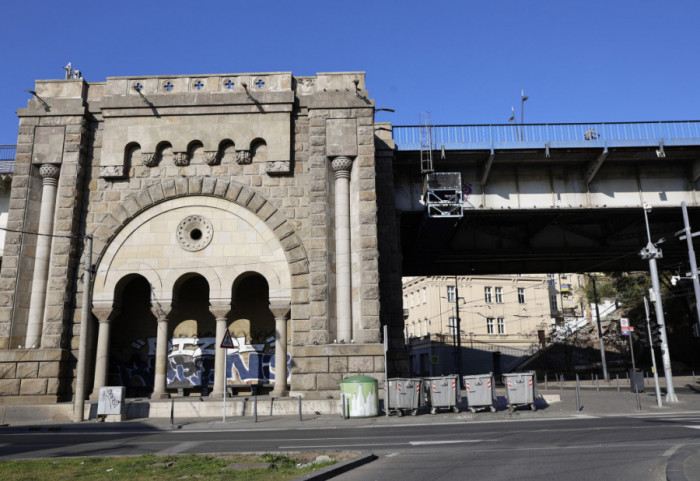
<point>625,326</point>
<point>227,342</point>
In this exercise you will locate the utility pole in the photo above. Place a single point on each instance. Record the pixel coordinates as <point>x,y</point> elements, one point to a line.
<point>459,334</point>
<point>693,265</point>
<point>79,400</point>
<point>600,331</point>
<point>652,253</point>
<point>653,356</point>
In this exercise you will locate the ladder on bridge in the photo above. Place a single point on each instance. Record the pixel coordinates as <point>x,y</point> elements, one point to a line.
<point>442,191</point>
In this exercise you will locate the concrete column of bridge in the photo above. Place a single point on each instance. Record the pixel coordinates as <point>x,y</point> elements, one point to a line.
<point>220,313</point>
<point>159,389</point>
<point>343,283</point>
<point>105,316</point>
<point>37,299</point>
<point>280,311</point>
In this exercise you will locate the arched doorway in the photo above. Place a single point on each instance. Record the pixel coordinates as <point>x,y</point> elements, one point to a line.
<point>132,346</point>
<point>191,334</point>
<point>252,328</point>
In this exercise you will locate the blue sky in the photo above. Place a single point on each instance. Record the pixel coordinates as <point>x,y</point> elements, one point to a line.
<point>464,61</point>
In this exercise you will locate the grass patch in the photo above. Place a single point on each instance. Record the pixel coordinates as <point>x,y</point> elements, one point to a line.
<point>249,467</point>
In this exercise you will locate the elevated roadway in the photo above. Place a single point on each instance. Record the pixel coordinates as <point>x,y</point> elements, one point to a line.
<point>549,197</point>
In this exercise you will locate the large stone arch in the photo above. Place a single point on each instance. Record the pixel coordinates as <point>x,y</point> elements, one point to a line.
<point>239,194</point>
<point>134,249</point>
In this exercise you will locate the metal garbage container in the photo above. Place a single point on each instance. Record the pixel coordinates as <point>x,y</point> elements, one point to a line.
<point>359,397</point>
<point>520,389</point>
<point>404,395</point>
<point>480,393</point>
<point>442,392</point>
<point>636,380</point>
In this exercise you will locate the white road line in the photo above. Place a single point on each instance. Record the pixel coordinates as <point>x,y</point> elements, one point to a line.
<point>319,446</point>
<point>455,441</point>
<point>692,427</point>
<point>672,450</point>
<point>391,455</point>
<point>179,448</point>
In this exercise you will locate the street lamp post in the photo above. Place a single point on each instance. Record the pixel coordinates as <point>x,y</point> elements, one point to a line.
<point>600,331</point>
<point>459,334</point>
<point>523,98</point>
<point>652,253</point>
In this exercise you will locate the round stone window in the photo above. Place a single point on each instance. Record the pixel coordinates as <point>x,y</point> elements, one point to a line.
<point>194,233</point>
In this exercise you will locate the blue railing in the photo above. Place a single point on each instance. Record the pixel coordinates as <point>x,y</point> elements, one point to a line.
<point>7,158</point>
<point>512,136</point>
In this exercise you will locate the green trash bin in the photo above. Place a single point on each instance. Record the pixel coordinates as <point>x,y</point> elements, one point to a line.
<point>360,396</point>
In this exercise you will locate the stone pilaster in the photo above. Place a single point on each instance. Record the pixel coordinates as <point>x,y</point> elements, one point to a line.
<point>341,166</point>
<point>220,314</point>
<point>280,310</point>
<point>49,173</point>
<point>105,316</point>
<point>159,381</point>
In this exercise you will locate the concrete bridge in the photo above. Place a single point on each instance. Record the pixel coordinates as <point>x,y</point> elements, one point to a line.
<point>548,197</point>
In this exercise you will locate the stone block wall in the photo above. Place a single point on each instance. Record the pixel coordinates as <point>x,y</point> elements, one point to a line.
<point>102,188</point>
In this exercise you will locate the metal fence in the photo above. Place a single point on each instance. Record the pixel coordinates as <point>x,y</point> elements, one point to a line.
<point>514,136</point>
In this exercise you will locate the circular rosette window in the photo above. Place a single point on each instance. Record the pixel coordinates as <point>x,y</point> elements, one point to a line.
<point>194,233</point>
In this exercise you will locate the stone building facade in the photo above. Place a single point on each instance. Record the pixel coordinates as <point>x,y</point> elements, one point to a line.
<point>242,202</point>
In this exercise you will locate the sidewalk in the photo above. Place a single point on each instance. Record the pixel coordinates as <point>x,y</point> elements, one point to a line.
<point>606,401</point>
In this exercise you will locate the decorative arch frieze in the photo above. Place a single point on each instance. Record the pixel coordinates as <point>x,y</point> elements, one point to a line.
<point>235,192</point>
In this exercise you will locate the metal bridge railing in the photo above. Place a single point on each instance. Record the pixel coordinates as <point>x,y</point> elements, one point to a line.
<point>7,158</point>
<point>512,136</point>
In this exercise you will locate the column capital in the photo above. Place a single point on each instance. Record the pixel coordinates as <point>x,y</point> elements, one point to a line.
<point>341,165</point>
<point>280,309</point>
<point>161,313</point>
<point>106,313</point>
<point>220,311</point>
<point>49,171</point>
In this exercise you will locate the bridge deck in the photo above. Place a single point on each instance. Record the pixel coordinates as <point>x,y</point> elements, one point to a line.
<point>511,136</point>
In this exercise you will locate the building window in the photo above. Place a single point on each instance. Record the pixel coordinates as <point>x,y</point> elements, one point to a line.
<point>405,301</point>
<point>451,293</point>
<point>553,302</point>
<point>411,298</point>
<point>427,331</point>
<point>419,334</point>
<point>499,295</point>
<point>552,280</point>
<point>425,296</point>
<point>453,326</point>
<point>487,294</point>
<point>521,295</point>
<point>489,325</point>
<point>501,326</point>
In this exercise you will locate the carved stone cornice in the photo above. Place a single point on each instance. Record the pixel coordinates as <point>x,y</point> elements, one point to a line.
<point>181,159</point>
<point>243,157</point>
<point>220,311</point>
<point>280,309</point>
<point>149,159</point>
<point>106,314</point>
<point>211,157</point>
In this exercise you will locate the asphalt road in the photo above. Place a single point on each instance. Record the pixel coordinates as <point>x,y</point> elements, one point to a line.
<point>583,448</point>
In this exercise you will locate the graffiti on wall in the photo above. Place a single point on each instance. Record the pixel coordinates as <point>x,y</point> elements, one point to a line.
<point>191,363</point>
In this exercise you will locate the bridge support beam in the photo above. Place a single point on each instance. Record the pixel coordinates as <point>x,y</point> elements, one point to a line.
<point>595,166</point>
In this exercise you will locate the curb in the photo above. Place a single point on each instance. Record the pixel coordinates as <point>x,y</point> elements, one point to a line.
<point>336,469</point>
<point>674,467</point>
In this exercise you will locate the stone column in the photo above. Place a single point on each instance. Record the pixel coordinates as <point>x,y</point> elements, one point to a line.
<point>343,284</point>
<point>220,313</point>
<point>159,381</point>
<point>37,300</point>
<point>105,316</point>
<point>280,311</point>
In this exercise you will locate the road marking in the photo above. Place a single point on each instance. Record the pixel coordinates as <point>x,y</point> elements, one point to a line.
<point>179,448</point>
<point>337,445</point>
<point>454,441</point>
<point>692,427</point>
<point>672,450</point>
<point>391,455</point>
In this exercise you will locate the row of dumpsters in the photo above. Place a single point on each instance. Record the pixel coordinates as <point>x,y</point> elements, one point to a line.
<point>440,393</point>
